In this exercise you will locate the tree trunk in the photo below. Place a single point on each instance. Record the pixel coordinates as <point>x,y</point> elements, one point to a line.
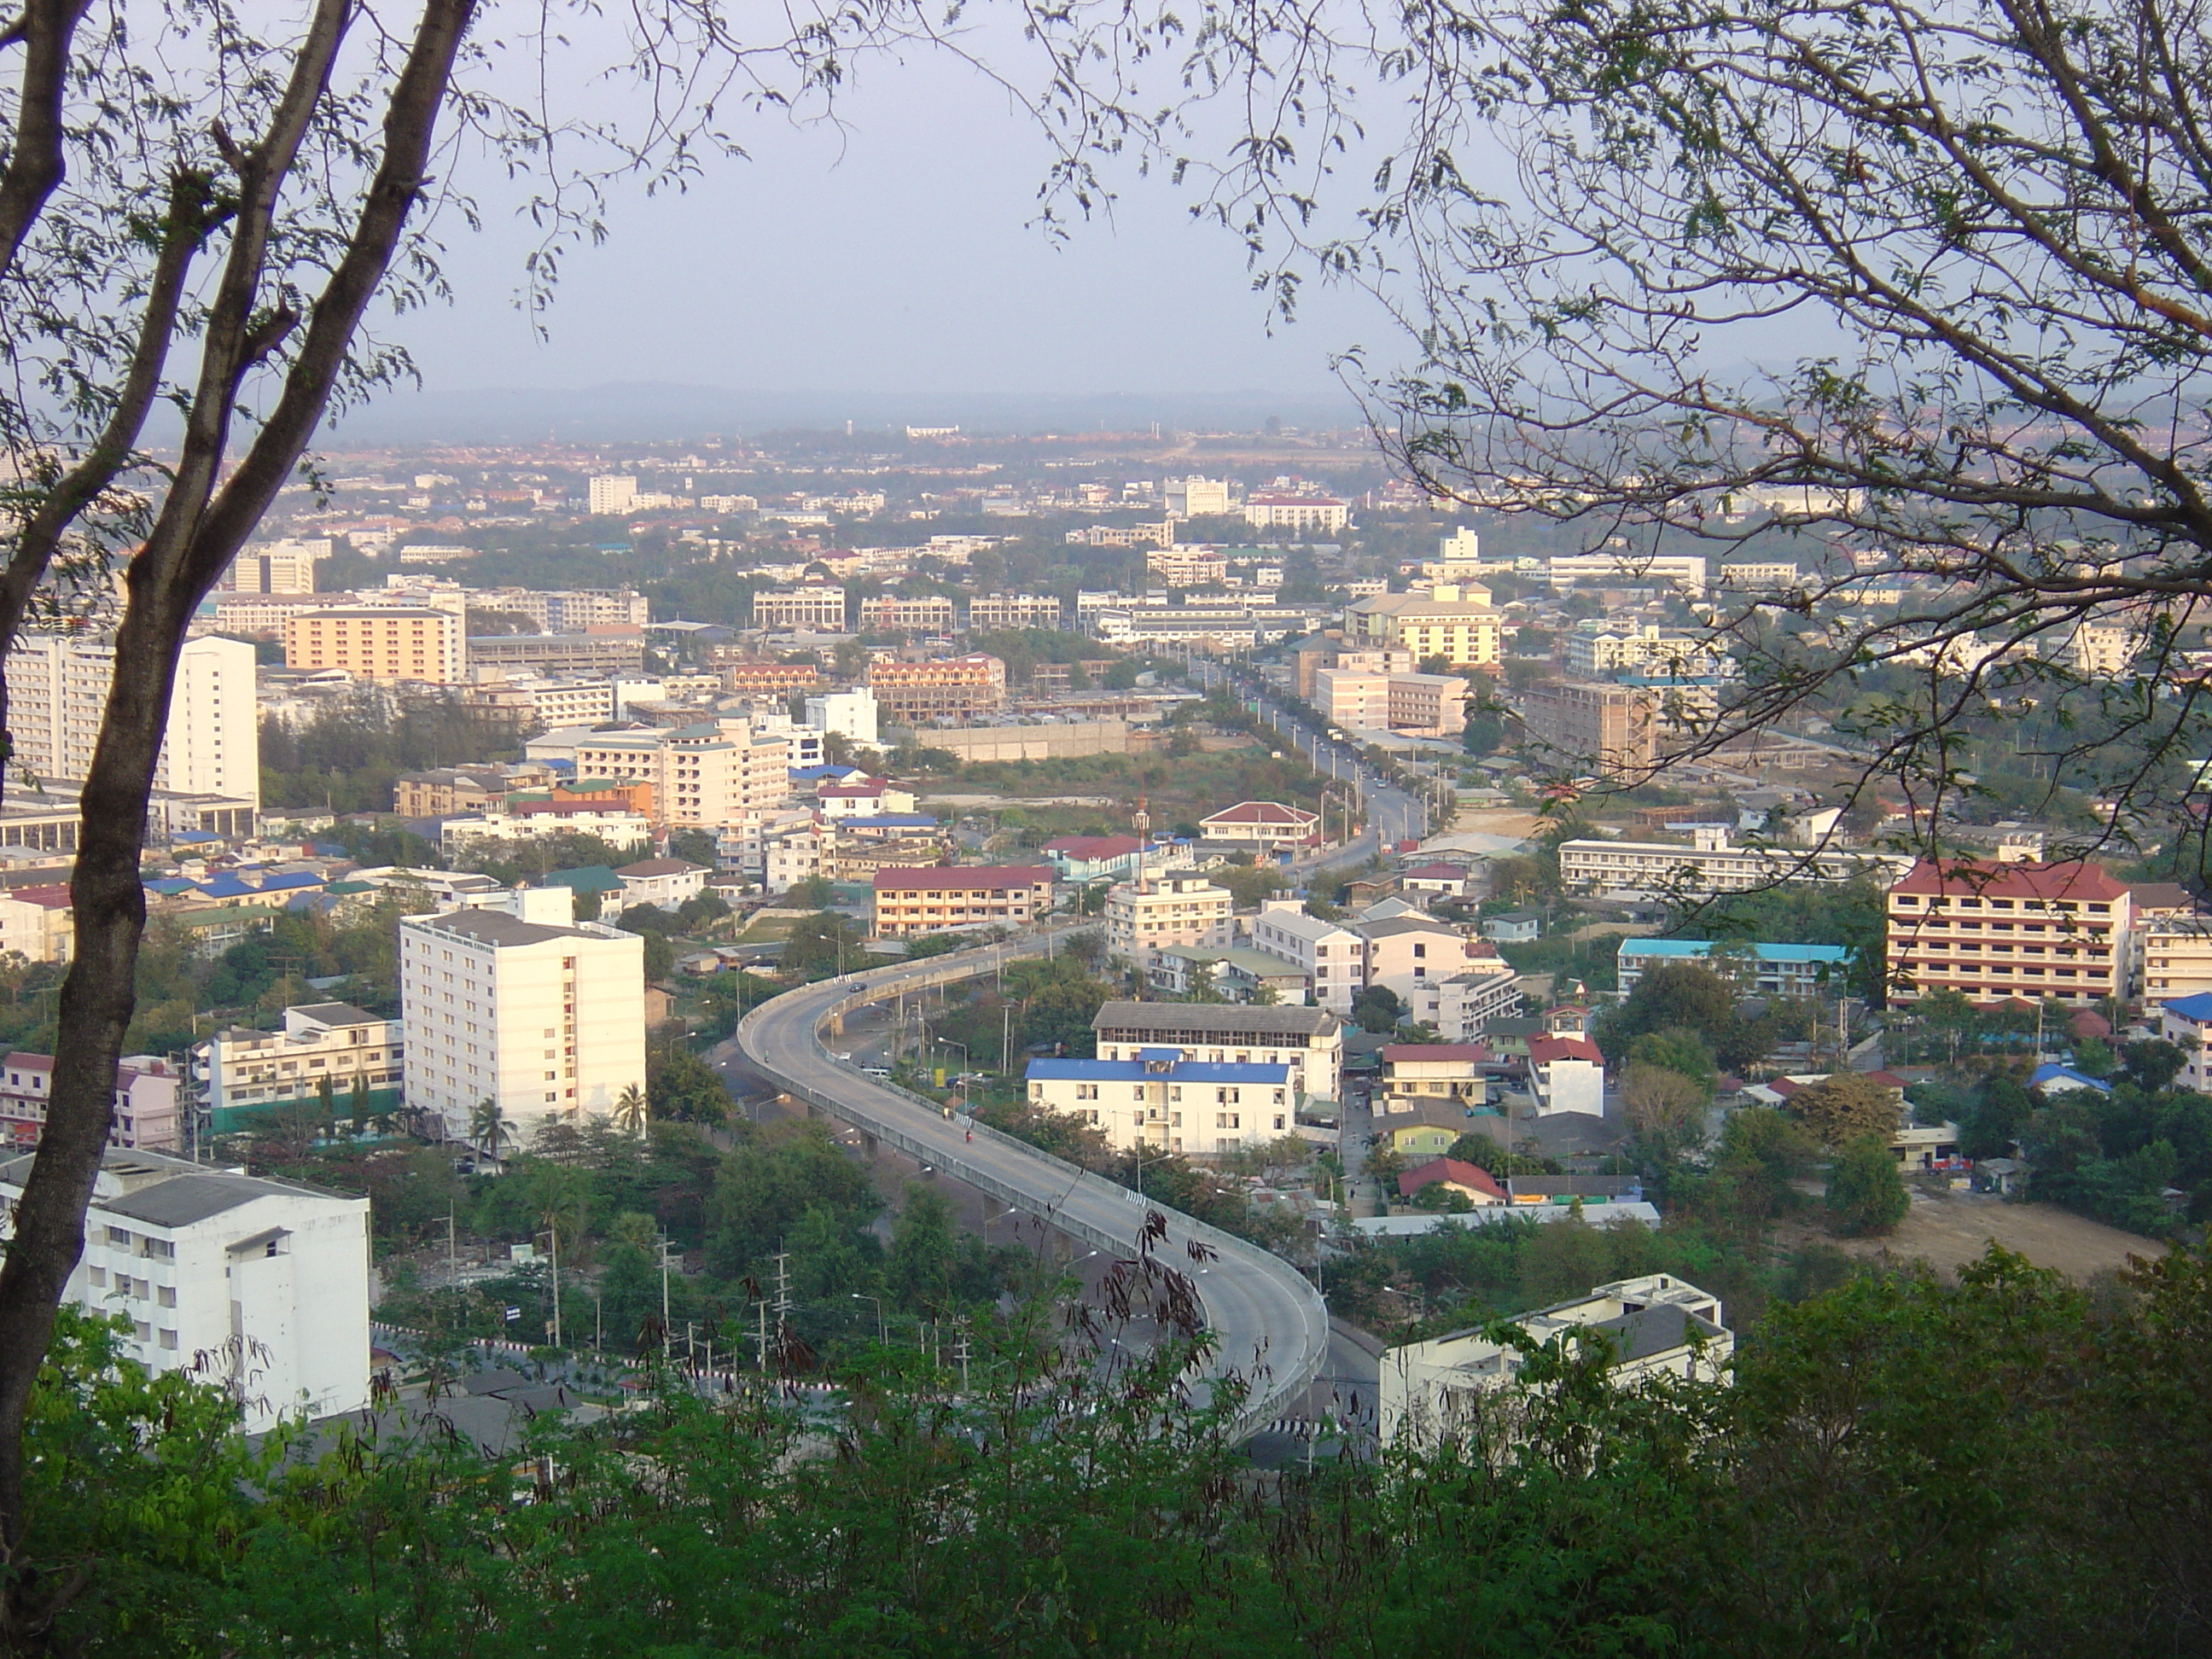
<point>204,521</point>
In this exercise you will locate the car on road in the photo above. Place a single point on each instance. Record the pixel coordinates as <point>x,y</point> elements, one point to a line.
<point>876,1071</point>
<point>848,1059</point>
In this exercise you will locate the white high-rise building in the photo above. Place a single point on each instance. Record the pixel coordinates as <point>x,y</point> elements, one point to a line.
<point>613,495</point>
<point>264,1284</point>
<point>58,692</point>
<point>1195,497</point>
<point>284,567</point>
<point>852,714</point>
<point>545,1017</point>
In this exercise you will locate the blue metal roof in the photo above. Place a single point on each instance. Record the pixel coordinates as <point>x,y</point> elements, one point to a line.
<point>2197,1007</point>
<point>297,879</point>
<point>2044,1074</point>
<point>1135,1071</point>
<point>1699,947</point>
<point>1159,1056</point>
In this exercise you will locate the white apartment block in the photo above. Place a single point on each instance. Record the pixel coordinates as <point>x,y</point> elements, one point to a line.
<point>887,613</point>
<point>242,1070</point>
<point>1195,497</point>
<point>1143,919</point>
<point>1628,570</point>
<point>1310,1041</point>
<point>852,714</point>
<point>258,1285</point>
<point>36,931</point>
<point>820,607</point>
<point>1644,868</point>
<point>566,610</point>
<point>611,493</point>
<point>1459,1007</point>
<point>1654,1325</point>
<point>545,1018</point>
<point>1334,959</point>
<point>989,610</point>
<point>145,1114</point>
<point>1305,511</point>
<point>703,776</point>
<point>624,831</point>
<point>57,693</point>
<point>1598,649</point>
<point>2175,957</point>
<point>1178,1106</point>
<point>1451,620</point>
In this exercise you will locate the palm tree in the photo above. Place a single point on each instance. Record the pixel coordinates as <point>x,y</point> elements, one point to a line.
<point>631,1110</point>
<point>487,1123</point>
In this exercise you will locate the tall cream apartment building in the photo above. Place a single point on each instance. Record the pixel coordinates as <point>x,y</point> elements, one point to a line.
<point>1143,918</point>
<point>705,776</point>
<point>1995,932</point>
<point>989,610</point>
<point>822,608</point>
<point>57,691</point>
<point>1451,620</point>
<point>285,567</point>
<point>375,643</point>
<point>542,1015</point>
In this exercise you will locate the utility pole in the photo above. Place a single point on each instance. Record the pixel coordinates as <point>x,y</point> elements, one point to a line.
<point>667,1336</point>
<point>452,1257</point>
<point>960,1351</point>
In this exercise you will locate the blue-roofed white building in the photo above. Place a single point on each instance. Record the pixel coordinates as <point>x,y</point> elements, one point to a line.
<point>2186,1022</point>
<point>1160,1100</point>
<point>1787,970</point>
<point>2055,1079</point>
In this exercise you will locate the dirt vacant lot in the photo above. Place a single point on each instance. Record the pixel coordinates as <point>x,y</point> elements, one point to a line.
<point>1951,1229</point>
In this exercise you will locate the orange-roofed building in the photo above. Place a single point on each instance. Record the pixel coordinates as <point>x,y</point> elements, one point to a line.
<point>1993,932</point>
<point>1470,1181</point>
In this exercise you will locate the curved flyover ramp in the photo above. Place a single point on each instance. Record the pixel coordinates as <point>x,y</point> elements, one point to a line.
<point>1270,1324</point>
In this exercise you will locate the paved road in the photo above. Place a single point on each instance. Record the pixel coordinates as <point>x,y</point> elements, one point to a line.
<point>1393,815</point>
<point>1264,1313</point>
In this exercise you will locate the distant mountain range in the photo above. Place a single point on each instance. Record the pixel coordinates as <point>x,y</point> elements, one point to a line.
<point>646,412</point>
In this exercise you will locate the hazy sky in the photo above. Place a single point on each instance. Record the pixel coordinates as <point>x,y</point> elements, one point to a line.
<point>890,256</point>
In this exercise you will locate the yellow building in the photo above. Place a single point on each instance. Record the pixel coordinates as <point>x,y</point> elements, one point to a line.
<point>391,644</point>
<point>1450,620</point>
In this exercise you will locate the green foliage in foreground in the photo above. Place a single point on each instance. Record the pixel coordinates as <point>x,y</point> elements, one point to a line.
<point>2005,1466</point>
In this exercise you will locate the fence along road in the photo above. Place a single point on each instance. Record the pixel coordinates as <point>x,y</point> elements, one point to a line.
<point>1270,1325</point>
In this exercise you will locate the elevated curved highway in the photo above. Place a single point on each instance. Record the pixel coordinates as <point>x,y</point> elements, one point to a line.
<point>1271,1325</point>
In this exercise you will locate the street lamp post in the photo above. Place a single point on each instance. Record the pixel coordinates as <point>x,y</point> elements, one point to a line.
<point>882,1340</point>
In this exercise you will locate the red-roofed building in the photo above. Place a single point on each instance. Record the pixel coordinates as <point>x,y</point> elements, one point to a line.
<point>1996,930</point>
<point>1470,1181</point>
<point>1566,1074</point>
<point>930,900</point>
<point>1271,826</point>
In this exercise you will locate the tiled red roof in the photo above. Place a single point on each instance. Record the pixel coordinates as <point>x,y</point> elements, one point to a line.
<point>1543,1050</point>
<point>1451,1170</point>
<point>1263,811</point>
<point>1093,846</point>
<point>1395,1053</point>
<point>964,876</point>
<point>1983,878</point>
